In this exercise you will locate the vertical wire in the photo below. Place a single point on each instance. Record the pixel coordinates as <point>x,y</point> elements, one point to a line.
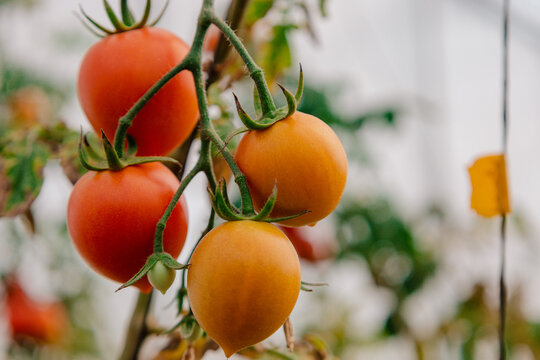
<point>502,284</point>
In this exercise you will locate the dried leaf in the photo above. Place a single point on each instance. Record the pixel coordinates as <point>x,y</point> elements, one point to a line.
<point>489,186</point>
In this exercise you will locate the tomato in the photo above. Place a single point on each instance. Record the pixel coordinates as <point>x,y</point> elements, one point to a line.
<point>112,217</point>
<point>243,282</point>
<point>29,319</point>
<point>305,247</point>
<point>306,159</point>
<point>119,69</point>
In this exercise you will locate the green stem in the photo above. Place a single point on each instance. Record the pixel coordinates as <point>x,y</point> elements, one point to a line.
<point>236,11</point>
<point>125,121</point>
<point>137,329</point>
<point>255,72</point>
<point>160,227</point>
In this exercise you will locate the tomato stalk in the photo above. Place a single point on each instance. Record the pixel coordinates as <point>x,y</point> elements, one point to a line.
<point>193,63</point>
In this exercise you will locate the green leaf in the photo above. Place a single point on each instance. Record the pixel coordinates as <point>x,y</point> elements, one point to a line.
<point>276,54</point>
<point>257,10</point>
<point>22,175</point>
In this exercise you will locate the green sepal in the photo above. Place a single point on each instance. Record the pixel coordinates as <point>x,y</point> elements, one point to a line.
<point>147,159</point>
<point>88,27</point>
<point>190,330</point>
<point>83,157</point>
<point>165,258</point>
<point>160,14</point>
<point>265,120</point>
<point>145,16</point>
<point>100,27</point>
<point>245,118</point>
<point>268,206</point>
<point>170,262</point>
<point>113,18</point>
<point>307,286</point>
<point>150,262</point>
<point>182,293</point>
<point>113,160</point>
<point>221,204</point>
<point>127,15</point>
<point>300,87</point>
<point>283,218</point>
<point>125,22</point>
<point>90,147</point>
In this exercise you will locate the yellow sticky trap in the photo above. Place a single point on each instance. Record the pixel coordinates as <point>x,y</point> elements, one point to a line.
<point>489,186</point>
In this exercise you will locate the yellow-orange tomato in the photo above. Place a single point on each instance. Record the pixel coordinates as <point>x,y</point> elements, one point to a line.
<point>243,283</point>
<point>306,159</point>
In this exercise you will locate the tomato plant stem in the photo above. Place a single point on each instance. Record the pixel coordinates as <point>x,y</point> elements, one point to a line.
<point>160,227</point>
<point>125,121</point>
<point>137,330</point>
<point>193,63</point>
<point>255,72</point>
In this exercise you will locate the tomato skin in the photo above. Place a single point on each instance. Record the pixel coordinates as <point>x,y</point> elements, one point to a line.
<point>305,248</point>
<point>119,69</point>
<point>307,160</point>
<point>42,322</point>
<point>243,282</point>
<point>112,217</point>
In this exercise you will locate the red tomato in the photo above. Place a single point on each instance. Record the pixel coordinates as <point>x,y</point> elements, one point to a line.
<point>305,248</point>
<point>112,217</point>
<point>29,319</point>
<point>119,69</point>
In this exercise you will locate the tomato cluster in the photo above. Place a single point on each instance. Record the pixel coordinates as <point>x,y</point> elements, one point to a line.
<point>244,275</point>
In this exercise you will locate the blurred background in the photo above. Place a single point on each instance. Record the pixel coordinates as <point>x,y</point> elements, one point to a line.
<point>413,89</point>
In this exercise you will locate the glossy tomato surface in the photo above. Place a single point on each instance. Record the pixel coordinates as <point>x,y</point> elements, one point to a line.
<point>306,159</point>
<point>112,217</point>
<point>119,69</point>
<point>243,283</point>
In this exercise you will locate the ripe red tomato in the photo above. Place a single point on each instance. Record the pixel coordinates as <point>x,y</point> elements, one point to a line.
<point>305,247</point>
<point>112,216</point>
<point>306,159</point>
<point>119,69</point>
<point>29,319</point>
<point>243,283</point>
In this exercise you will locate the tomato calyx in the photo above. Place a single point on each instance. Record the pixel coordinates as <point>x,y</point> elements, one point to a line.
<point>164,258</point>
<point>93,158</point>
<point>266,119</point>
<point>189,327</point>
<point>121,24</point>
<point>227,211</point>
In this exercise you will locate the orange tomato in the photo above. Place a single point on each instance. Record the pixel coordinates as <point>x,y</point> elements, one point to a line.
<point>119,69</point>
<point>243,282</point>
<point>112,217</point>
<point>306,159</point>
